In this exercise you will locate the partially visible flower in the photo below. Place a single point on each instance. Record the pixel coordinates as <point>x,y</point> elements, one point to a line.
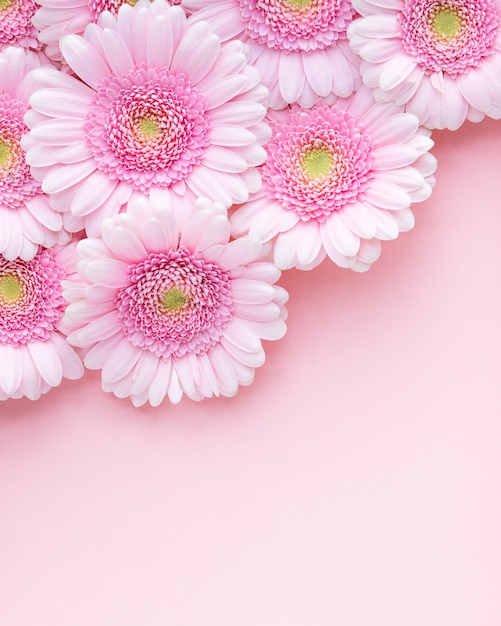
<point>26,218</point>
<point>163,310</point>
<point>16,28</point>
<point>439,58</point>
<point>34,353</point>
<point>159,106</point>
<point>64,17</point>
<point>338,179</point>
<point>299,46</point>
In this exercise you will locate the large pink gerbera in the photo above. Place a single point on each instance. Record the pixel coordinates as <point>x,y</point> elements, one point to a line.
<point>55,18</point>
<point>164,310</point>
<point>16,28</point>
<point>26,219</point>
<point>34,354</point>
<point>338,179</point>
<point>299,46</point>
<point>159,106</point>
<point>439,58</point>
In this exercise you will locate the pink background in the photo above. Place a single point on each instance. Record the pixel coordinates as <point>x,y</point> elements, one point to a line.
<point>356,483</point>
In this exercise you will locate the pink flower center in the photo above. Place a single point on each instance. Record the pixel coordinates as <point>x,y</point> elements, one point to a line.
<point>318,161</point>
<point>15,21</point>
<point>16,182</point>
<point>449,35</point>
<point>148,127</point>
<point>296,24</point>
<point>31,301</point>
<point>176,304</point>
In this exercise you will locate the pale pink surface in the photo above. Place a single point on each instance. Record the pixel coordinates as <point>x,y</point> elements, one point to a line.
<point>355,483</point>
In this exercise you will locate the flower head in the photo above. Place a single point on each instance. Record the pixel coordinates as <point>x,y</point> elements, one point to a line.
<point>170,310</point>
<point>160,106</point>
<point>33,350</point>
<point>440,58</point>
<point>299,46</point>
<point>25,215</point>
<point>338,179</point>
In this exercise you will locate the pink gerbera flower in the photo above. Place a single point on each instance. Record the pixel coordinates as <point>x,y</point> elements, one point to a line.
<point>160,106</point>
<point>439,58</point>
<point>338,179</point>
<point>16,28</point>
<point>26,218</point>
<point>56,18</point>
<point>299,46</point>
<point>164,310</point>
<point>33,350</point>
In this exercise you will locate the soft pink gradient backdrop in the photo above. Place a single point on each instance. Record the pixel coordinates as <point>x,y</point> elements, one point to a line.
<point>356,483</point>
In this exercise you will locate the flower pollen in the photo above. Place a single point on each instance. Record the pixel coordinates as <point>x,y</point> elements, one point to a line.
<point>317,162</point>
<point>11,287</point>
<point>173,300</point>
<point>5,154</point>
<point>446,23</point>
<point>148,127</point>
<point>5,4</point>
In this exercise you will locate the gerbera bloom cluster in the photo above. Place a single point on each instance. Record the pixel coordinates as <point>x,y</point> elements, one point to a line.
<point>162,161</point>
<point>439,58</point>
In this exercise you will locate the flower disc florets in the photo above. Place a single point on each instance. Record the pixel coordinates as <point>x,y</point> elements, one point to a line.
<point>176,303</point>
<point>317,162</point>
<point>31,301</point>
<point>449,35</point>
<point>296,24</point>
<point>147,127</point>
<point>16,27</point>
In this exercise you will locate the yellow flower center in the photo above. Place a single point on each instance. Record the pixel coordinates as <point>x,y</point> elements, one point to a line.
<point>446,23</point>
<point>299,4</point>
<point>317,162</point>
<point>5,151</point>
<point>173,300</point>
<point>148,127</point>
<point>11,288</point>
<point>5,4</point>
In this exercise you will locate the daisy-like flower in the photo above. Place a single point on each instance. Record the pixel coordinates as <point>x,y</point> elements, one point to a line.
<point>159,106</point>
<point>16,28</point>
<point>26,218</point>
<point>63,17</point>
<point>165,311</point>
<point>34,353</point>
<point>338,179</point>
<point>439,58</point>
<point>299,46</point>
